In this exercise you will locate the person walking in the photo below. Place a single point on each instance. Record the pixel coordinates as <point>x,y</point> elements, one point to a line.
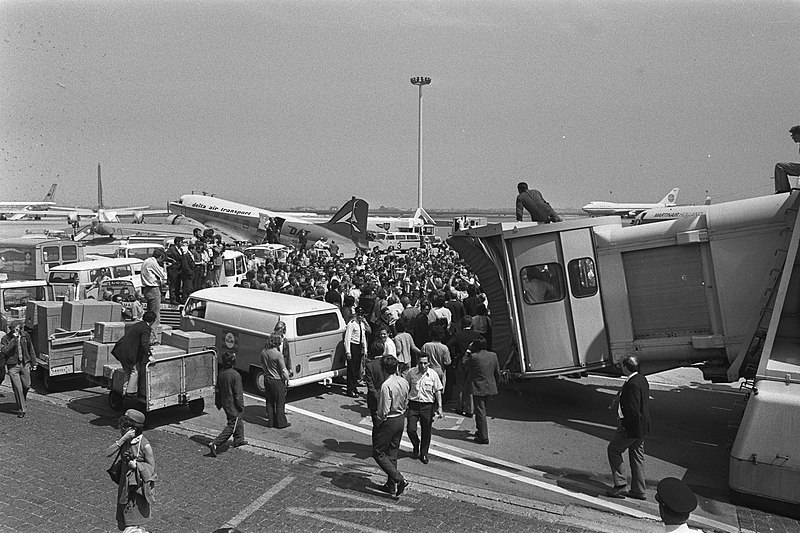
<point>137,475</point>
<point>784,170</point>
<point>532,201</point>
<point>229,395</point>
<point>19,358</point>
<point>425,394</point>
<point>276,379</point>
<point>388,431</point>
<point>483,375</point>
<point>355,346</point>
<point>374,377</point>
<point>132,350</point>
<point>633,412</point>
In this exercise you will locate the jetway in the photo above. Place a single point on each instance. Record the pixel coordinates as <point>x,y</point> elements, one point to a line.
<point>720,291</point>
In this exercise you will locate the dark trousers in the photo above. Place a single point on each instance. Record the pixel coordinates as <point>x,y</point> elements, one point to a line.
<point>175,282</point>
<point>276,403</point>
<point>385,445</point>
<point>234,427</point>
<point>635,447</point>
<point>422,413</point>
<point>481,427</point>
<point>462,388</point>
<point>354,368</point>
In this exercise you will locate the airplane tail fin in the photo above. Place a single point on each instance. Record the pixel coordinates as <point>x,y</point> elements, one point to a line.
<point>351,221</point>
<point>51,194</point>
<point>671,198</point>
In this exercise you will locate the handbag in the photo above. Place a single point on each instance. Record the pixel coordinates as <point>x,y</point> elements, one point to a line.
<point>115,470</point>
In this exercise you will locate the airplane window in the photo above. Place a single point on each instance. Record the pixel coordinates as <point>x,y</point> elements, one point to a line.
<point>582,277</point>
<point>542,283</point>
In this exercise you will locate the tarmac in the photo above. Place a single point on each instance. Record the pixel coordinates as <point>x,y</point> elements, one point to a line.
<point>52,478</point>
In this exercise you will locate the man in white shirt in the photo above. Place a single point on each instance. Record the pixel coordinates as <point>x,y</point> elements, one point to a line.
<point>153,275</point>
<point>386,436</point>
<point>355,346</point>
<point>425,394</point>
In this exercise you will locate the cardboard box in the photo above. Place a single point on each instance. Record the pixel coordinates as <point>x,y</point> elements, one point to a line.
<point>161,352</point>
<point>72,315</point>
<point>94,311</point>
<point>108,331</point>
<point>191,341</point>
<point>96,355</point>
<point>48,318</point>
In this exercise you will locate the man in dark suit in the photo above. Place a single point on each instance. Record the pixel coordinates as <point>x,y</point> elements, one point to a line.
<point>132,350</point>
<point>18,355</point>
<point>374,376</point>
<point>174,268</point>
<point>229,395</point>
<point>483,375</point>
<point>458,345</point>
<point>633,412</point>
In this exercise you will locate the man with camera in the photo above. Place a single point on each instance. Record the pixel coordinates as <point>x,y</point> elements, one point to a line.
<point>19,358</point>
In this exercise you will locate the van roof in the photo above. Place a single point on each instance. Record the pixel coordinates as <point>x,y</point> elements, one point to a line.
<point>97,263</point>
<point>284,304</point>
<point>22,283</point>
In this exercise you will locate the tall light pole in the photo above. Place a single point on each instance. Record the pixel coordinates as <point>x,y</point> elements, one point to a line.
<point>419,82</point>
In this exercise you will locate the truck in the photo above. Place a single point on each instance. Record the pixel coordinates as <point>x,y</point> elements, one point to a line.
<point>719,292</point>
<point>32,257</point>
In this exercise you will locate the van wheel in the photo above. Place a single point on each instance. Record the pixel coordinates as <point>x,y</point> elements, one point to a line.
<point>259,380</point>
<point>197,406</point>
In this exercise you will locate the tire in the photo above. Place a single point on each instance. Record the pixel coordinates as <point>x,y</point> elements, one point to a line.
<point>259,380</point>
<point>197,406</point>
<point>115,400</point>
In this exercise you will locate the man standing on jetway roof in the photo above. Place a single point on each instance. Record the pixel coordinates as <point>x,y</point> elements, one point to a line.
<point>633,425</point>
<point>535,204</point>
<point>784,170</point>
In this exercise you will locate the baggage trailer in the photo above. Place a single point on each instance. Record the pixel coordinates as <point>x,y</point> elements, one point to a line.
<point>62,360</point>
<point>182,379</point>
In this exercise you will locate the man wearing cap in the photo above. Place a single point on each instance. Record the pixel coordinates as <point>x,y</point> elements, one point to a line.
<point>19,357</point>
<point>633,425</point>
<point>532,201</point>
<point>676,501</point>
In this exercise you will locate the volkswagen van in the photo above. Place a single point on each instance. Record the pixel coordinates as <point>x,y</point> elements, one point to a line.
<point>242,319</point>
<point>78,281</point>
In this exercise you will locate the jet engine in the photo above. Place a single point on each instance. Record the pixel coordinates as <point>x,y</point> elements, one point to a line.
<point>73,219</point>
<point>138,217</point>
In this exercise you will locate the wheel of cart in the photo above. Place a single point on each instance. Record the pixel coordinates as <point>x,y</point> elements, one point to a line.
<point>182,379</point>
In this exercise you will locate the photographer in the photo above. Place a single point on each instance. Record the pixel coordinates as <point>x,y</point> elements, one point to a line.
<point>137,475</point>
<point>19,358</point>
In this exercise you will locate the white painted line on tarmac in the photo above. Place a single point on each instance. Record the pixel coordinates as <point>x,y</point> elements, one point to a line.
<point>503,473</point>
<point>258,503</point>
<point>348,526</point>
<point>594,424</point>
<point>522,479</point>
<point>384,504</point>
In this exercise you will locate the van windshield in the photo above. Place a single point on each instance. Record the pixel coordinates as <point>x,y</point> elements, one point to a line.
<point>19,297</point>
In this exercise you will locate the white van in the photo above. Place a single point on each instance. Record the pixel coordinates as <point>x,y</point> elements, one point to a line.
<point>242,319</point>
<point>234,268</point>
<point>78,281</point>
<point>263,252</point>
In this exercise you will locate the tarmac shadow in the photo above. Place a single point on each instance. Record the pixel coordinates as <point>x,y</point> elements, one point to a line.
<point>356,482</point>
<point>8,407</point>
<point>203,440</point>
<point>575,480</point>
<point>356,449</point>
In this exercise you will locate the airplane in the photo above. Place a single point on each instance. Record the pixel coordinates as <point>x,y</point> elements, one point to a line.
<point>241,222</point>
<point>18,210</point>
<point>74,214</point>
<point>671,213</point>
<point>629,210</point>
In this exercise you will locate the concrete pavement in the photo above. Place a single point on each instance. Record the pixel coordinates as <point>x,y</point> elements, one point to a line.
<point>52,478</point>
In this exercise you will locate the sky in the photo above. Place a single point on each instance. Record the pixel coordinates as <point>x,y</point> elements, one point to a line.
<point>284,104</point>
